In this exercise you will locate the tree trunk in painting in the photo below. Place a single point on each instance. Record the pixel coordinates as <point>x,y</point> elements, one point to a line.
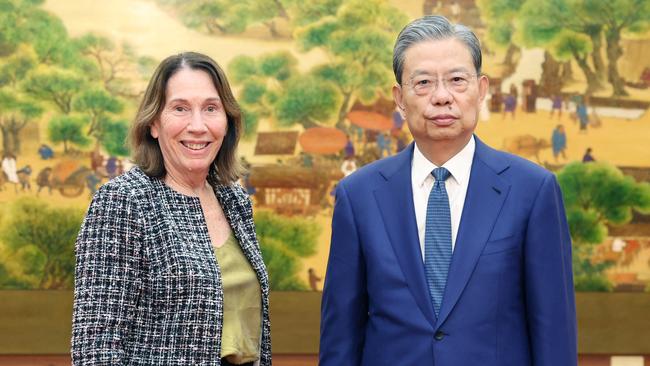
<point>343,111</point>
<point>592,80</point>
<point>551,81</point>
<point>509,59</point>
<point>14,130</point>
<point>596,57</point>
<point>567,71</point>
<point>15,140</point>
<point>614,52</point>
<point>6,139</point>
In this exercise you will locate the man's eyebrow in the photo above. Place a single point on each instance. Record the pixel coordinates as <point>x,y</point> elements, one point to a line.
<point>418,72</point>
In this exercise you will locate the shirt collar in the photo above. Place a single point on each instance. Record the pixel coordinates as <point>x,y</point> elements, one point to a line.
<point>460,165</point>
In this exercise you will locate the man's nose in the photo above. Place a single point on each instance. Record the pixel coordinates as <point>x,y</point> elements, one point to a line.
<point>440,95</point>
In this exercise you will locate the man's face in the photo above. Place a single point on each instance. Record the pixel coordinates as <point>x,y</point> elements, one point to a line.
<point>440,93</point>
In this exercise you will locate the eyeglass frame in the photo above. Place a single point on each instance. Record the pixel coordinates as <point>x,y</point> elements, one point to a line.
<point>445,82</point>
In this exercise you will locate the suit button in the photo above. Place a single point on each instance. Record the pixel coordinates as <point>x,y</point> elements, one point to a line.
<point>439,335</point>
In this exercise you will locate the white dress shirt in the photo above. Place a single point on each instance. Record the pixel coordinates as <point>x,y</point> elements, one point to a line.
<point>460,166</point>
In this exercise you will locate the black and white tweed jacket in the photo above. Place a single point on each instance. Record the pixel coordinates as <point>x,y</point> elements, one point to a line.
<point>147,285</point>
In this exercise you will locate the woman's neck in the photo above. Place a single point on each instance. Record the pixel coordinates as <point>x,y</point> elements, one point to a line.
<point>188,185</point>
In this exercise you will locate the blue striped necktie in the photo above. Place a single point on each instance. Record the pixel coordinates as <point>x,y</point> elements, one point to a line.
<point>437,238</point>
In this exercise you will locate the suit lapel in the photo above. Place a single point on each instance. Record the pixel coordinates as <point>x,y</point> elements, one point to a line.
<point>485,196</point>
<point>395,201</point>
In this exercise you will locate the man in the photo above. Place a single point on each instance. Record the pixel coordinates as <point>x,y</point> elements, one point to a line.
<point>470,267</point>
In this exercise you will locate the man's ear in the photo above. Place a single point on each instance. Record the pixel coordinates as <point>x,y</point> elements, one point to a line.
<point>397,97</point>
<point>483,86</point>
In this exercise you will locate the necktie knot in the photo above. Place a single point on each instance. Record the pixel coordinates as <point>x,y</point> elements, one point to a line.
<point>441,174</point>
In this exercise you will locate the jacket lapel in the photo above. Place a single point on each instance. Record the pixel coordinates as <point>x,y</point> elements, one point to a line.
<point>238,210</point>
<point>485,196</point>
<point>395,201</point>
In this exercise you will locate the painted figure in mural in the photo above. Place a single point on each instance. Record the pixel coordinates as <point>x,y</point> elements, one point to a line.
<point>9,169</point>
<point>476,245</point>
<point>509,105</point>
<point>23,175</point>
<point>383,144</point>
<point>588,157</point>
<point>349,147</point>
<point>313,279</point>
<point>111,167</point>
<point>45,152</point>
<point>43,180</point>
<point>92,180</point>
<point>349,166</point>
<point>169,270</point>
<point>581,112</point>
<point>398,122</point>
<point>558,142</point>
<point>556,105</point>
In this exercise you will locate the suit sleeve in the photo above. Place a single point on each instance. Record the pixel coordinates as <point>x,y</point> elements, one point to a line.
<point>344,310</point>
<point>107,279</point>
<point>550,299</point>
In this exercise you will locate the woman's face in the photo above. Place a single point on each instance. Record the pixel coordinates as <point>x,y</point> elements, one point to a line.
<point>192,124</point>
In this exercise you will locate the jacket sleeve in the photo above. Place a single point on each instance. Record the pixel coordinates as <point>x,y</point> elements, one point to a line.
<point>344,310</point>
<point>550,300</point>
<point>107,278</point>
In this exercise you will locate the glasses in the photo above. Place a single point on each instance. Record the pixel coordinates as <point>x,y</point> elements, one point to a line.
<point>457,82</point>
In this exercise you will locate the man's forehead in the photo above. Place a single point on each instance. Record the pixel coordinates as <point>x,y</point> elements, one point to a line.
<point>450,51</point>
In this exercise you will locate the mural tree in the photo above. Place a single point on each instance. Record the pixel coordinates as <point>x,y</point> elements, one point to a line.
<point>619,16</point>
<point>283,242</point>
<point>232,16</point>
<point>111,65</point>
<point>96,104</point>
<point>500,17</point>
<point>597,195</point>
<point>55,85</point>
<point>68,130</point>
<point>16,109</point>
<point>42,238</point>
<point>272,87</point>
<point>552,23</point>
<point>569,32</point>
<point>114,137</point>
<point>359,48</point>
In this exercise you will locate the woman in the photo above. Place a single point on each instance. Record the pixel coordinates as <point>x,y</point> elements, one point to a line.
<point>169,270</point>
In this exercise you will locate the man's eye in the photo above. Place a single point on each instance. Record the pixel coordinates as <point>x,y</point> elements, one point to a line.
<point>423,82</point>
<point>457,79</point>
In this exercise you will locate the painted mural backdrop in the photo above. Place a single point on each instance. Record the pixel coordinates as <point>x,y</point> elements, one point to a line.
<point>570,90</point>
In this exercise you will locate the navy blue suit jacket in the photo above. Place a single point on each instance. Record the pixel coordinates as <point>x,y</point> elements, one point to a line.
<point>509,297</point>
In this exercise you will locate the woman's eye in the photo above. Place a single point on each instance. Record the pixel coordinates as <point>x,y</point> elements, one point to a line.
<point>179,109</point>
<point>211,108</point>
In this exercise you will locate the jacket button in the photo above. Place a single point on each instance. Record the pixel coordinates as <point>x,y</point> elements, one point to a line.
<point>439,335</point>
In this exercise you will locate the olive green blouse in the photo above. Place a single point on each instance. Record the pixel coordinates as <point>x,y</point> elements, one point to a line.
<point>242,304</point>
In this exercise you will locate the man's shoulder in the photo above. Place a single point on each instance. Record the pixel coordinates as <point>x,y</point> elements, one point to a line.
<point>511,165</point>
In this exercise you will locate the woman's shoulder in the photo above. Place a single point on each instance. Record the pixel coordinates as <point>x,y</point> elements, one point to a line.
<point>132,183</point>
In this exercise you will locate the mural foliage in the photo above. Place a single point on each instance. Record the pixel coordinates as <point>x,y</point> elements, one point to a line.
<point>569,89</point>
